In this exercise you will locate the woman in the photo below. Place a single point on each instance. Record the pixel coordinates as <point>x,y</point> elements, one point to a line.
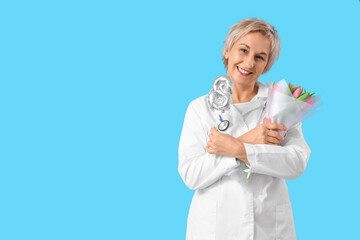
<point>212,162</point>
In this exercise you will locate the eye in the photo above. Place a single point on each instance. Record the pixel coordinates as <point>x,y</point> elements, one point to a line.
<point>243,50</point>
<point>260,57</point>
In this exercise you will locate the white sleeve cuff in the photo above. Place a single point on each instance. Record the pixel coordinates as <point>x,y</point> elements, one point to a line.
<point>251,157</point>
<point>231,163</point>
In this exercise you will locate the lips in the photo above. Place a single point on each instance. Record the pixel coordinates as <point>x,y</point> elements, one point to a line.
<point>243,71</point>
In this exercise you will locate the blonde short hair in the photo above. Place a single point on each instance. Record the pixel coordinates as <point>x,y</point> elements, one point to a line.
<point>246,26</point>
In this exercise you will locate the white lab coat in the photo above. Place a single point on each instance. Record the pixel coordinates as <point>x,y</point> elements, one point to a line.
<point>223,206</point>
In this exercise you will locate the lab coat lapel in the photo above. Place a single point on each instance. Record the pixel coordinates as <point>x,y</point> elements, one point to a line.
<point>238,117</point>
<point>237,123</point>
<point>237,120</point>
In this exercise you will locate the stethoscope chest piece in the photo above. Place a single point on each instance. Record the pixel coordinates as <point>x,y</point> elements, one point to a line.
<point>223,125</point>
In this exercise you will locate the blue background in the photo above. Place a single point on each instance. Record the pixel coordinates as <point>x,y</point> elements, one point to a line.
<point>93,96</point>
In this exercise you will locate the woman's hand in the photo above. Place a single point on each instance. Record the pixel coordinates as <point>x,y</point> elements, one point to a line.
<point>265,133</point>
<point>223,144</point>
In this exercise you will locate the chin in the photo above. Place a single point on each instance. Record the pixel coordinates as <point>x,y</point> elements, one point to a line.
<point>243,80</point>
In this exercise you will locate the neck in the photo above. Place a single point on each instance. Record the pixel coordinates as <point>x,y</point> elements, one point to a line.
<point>243,94</point>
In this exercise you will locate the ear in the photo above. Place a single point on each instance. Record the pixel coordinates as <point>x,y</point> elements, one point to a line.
<point>226,55</point>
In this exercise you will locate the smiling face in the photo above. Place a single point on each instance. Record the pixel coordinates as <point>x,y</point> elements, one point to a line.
<point>247,58</point>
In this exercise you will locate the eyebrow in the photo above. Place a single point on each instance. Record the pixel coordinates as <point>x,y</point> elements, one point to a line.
<point>262,53</point>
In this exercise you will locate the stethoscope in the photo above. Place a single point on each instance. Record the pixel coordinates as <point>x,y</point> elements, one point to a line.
<point>224,124</point>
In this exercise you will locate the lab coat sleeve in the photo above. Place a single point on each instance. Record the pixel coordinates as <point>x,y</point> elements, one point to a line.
<point>287,160</point>
<point>198,168</point>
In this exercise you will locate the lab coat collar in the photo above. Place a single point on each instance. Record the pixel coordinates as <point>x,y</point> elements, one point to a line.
<point>263,89</point>
<point>257,101</point>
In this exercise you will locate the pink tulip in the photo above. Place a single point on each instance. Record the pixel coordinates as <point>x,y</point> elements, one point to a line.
<point>310,100</point>
<point>291,85</point>
<point>277,87</point>
<point>297,92</point>
<point>266,120</point>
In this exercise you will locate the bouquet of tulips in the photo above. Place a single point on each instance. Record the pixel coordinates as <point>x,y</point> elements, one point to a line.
<point>288,105</point>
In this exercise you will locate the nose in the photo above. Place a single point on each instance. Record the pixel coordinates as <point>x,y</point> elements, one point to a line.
<point>249,62</point>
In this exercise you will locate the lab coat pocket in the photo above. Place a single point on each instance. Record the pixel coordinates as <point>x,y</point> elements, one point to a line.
<point>285,227</point>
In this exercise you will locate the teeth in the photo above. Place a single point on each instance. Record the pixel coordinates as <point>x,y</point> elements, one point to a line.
<point>243,71</point>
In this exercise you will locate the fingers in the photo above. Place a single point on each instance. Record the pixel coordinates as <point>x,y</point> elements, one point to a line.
<point>213,130</point>
<point>275,126</point>
<point>271,140</point>
<point>210,138</point>
<point>209,149</point>
<point>275,134</point>
<point>272,137</point>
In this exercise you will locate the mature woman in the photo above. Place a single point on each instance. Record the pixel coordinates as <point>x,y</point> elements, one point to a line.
<point>212,162</point>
